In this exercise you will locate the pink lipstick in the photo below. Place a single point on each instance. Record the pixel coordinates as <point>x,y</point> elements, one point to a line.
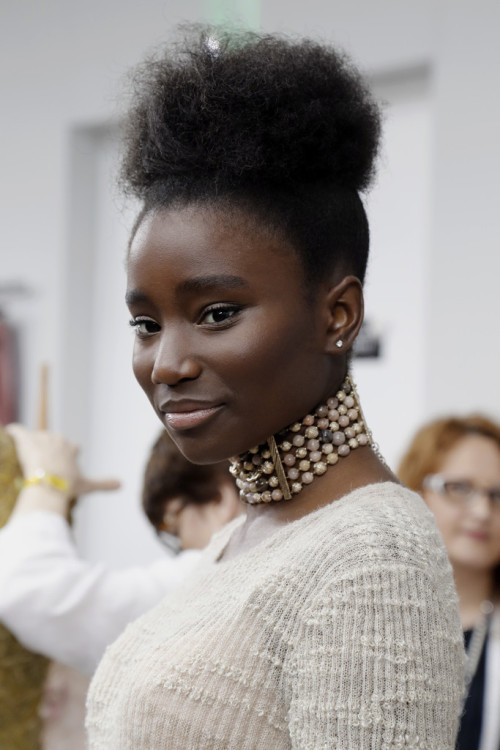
<point>186,420</point>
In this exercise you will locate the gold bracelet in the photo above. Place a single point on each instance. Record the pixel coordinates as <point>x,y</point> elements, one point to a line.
<point>50,480</point>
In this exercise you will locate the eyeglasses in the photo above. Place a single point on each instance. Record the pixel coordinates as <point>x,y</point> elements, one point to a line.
<point>167,533</point>
<point>461,490</point>
<point>170,541</point>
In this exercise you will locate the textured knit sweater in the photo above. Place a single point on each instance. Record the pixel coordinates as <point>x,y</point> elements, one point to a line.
<point>339,631</point>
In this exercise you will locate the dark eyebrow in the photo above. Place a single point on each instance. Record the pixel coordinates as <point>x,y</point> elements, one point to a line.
<point>200,283</point>
<point>135,297</point>
<point>197,284</point>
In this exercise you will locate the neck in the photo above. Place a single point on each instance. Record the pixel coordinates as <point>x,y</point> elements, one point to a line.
<point>473,588</point>
<point>303,452</point>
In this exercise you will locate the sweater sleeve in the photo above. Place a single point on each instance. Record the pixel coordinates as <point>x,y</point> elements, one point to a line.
<point>65,607</point>
<point>377,665</point>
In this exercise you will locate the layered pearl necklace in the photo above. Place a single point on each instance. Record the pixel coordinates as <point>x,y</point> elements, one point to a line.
<point>289,461</point>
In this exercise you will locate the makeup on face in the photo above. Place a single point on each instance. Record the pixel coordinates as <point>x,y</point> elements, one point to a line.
<point>228,346</point>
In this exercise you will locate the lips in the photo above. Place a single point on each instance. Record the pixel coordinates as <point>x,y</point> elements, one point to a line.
<point>480,536</point>
<point>187,415</point>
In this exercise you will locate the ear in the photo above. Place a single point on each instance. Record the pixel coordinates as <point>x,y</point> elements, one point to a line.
<point>344,310</point>
<point>171,511</point>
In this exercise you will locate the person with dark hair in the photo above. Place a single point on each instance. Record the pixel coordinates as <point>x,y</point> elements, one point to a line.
<point>184,502</point>
<point>64,607</point>
<point>327,617</point>
<point>454,462</point>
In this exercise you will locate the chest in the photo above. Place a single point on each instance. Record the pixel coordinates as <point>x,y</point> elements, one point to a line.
<point>203,665</point>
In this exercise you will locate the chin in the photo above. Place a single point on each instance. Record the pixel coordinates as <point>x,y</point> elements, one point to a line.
<point>474,561</point>
<point>199,450</point>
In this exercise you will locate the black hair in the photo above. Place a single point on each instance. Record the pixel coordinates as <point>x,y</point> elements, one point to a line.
<point>284,129</point>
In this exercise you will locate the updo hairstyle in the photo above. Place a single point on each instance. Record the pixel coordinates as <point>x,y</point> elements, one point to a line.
<point>284,130</point>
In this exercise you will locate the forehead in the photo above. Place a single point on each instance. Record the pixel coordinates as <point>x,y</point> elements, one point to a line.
<point>191,240</point>
<point>475,457</point>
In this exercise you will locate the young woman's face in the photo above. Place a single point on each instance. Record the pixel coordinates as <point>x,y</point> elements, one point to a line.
<point>194,524</point>
<point>228,348</point>
<point>471,529</point>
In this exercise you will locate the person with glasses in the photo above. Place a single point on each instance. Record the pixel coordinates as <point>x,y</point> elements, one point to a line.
<point>187,503</point>
<point>455,464</point>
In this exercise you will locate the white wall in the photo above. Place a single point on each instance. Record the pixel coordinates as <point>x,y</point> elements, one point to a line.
<point>464,301</point>
<point>60,63</point>
<point>399,215</point>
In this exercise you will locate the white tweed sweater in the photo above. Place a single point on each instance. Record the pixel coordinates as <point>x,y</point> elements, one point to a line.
<point>339,631</point>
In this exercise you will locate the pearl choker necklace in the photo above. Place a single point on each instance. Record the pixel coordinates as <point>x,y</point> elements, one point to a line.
<point>289,461</point>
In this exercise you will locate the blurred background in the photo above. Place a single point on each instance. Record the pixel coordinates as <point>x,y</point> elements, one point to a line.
<point>432,301</point>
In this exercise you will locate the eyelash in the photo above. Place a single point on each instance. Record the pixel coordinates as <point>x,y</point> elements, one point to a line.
<point>232,311</point>
<point>135,323</point>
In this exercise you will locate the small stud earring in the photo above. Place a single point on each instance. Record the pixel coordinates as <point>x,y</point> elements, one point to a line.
<point>339,344</point>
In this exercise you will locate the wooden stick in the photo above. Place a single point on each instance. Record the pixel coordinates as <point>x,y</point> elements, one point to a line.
<point>43,397</point>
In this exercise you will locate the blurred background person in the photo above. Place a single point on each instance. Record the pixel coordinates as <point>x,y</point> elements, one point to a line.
<point>187,503</point>
<point>455,464</point>
<point>22,673</point>
<point>65,608</point>
<point>68,609</point>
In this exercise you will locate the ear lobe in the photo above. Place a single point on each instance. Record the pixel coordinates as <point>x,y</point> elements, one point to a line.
<point>345,310</point>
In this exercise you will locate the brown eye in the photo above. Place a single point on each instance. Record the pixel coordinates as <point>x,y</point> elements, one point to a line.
<point>459,490</point>
<point>219,315</point>
<point>144,327</point>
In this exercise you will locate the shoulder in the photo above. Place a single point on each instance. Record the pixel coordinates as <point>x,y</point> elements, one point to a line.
<point>377,521</point>
<point>383,505</point>
<point>377,624</point>
<point>382,530</point>
<point>378,552</point>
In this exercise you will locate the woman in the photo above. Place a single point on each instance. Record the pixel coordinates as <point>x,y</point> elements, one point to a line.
<point>455,464</point>
<point>314,623</point>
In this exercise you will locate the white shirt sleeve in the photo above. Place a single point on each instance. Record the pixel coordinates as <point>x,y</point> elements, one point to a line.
<point>64,607</point>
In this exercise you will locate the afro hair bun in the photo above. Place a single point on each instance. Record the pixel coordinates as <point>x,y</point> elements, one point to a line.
<point>237,108</point>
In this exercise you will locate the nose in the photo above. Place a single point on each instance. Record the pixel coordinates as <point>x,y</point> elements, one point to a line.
<point>173,363</point>
<point>480,506</point>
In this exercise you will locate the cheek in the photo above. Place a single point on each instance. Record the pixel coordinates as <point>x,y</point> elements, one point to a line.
<point>142,366</point>
<point>276,372</point>
<point>496,538</point>
<point>193,529</point>
<point>447,516</point>
<point>249,357</point>
<point>269,353</point>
